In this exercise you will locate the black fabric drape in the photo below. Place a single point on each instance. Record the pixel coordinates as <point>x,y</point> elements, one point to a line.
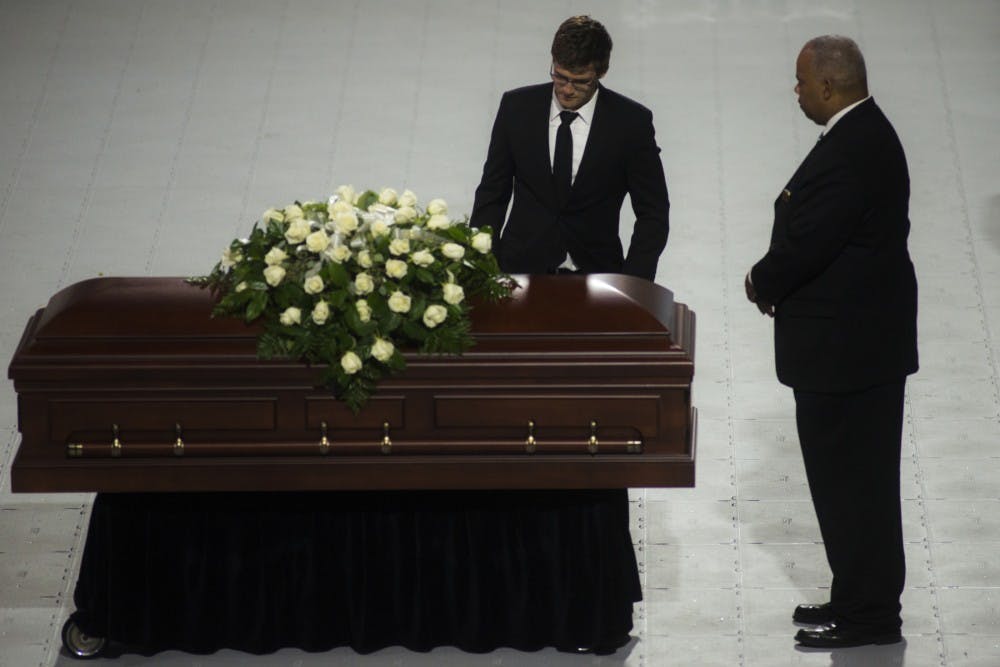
<point>259,572</point>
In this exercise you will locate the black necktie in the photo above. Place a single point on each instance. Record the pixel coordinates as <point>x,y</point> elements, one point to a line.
<point>562,162</point>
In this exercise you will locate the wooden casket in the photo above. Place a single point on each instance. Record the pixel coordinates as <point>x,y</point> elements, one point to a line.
<point>128,384</point>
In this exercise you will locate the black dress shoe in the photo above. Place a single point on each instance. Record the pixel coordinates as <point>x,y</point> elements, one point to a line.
<point>832,635</point>
<point>813,614</point>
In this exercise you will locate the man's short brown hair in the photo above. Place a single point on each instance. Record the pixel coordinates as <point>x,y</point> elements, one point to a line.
<point>581,42</point>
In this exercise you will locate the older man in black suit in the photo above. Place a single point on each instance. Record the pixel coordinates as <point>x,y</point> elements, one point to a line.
<point>839,283</point>
<point>569,152</point>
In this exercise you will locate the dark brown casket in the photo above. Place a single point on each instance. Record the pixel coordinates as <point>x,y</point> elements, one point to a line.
<point>128,384</point>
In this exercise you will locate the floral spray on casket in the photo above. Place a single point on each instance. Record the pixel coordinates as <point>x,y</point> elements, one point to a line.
<point>349,282</point>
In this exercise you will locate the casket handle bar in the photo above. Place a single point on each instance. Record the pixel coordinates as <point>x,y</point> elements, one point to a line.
<point>557,444</point>
<point>386,441</point>
<point>324,440</point>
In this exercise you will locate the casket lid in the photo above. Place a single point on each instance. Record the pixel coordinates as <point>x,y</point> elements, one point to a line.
<point>130,316</point>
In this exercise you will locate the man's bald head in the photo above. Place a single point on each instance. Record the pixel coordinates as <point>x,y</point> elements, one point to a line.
<point>830,76</point>
<point>839,59</point>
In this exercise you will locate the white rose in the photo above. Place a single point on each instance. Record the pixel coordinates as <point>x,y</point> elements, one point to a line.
<point>242,286</point>
<point>422,257</point>
<point>292,315</point>
<point>346,193</point>
<point>275,256</point>
<point>399,302</point>
<point>345,222</point>
<point>350,362</point>
<point>339,206</point>
<point>230,258</point>
<point>317,241</point>
<point>364,310</point>
<point>274,275</point>
<point>320,312</point>
<point>399,246</point>
<point>435,315</point>
<point>405,214</point>
<point>453,293</point>
<point>293,212</point>
<point>379,228</point>
<point>408,198</point>
<point>339,254</point>
<point>298,230</point>
<point>388,197</point>
<point>453,251</point>
<point>363,283</point>
<point>313,285</point>
<point>437,207</point>
<point>365,259</point>
<point>395,268</point>
<point>382,349</point>
<point>272,214</point>
<point>438,221</point>
<point>482,242</point>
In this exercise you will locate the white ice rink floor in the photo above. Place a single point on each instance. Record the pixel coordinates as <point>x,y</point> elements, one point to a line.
<point>137,137</point>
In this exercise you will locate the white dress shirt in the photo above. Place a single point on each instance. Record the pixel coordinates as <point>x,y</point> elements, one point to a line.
<point>840,114</point>
<point>579,128</point>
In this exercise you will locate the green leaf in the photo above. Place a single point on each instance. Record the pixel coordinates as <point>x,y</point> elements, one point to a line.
<point>256,306</point>
<point>425,276</point>
<point>338,300</point>
<point>335,274</point>
<point>391,322</point>
<point>367,199</point>
<point>415,331</point>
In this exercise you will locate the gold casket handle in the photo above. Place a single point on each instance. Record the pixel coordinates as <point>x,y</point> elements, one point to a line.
<point>178,440</point>
<point>530,444</point>
<point>116,443</point>
<point>386,440</point>
<point>592,442</point>
<point>324,441</point>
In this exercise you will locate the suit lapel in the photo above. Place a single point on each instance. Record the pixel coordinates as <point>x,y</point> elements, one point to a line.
<point>536,136</point>
<point>805,162</point>
<point>593,148</point>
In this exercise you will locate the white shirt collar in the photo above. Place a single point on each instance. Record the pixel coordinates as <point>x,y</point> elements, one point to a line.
<point>586,111</point>
<point>840,114</point>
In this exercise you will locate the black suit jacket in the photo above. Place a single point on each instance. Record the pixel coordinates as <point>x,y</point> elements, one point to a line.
<point>621,157</point>
<point>838,269</point>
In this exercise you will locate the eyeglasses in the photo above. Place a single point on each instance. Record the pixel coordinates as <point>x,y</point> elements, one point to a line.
<point>582,85</point>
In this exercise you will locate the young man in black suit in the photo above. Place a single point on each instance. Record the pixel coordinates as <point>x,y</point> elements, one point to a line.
<point>839,283</point>
<point>569,151</point>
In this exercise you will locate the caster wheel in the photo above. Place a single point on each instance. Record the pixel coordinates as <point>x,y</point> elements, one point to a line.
<point>79,644</point>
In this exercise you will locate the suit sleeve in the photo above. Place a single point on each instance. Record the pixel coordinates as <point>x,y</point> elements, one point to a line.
<point>497,182</point>
<point>647,189</point>
<point>827,209</point>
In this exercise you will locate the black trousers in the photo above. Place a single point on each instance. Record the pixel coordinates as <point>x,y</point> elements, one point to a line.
<point>851,446</point>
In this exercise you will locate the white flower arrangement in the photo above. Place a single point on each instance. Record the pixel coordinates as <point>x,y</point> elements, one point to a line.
<point>349,283</point>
